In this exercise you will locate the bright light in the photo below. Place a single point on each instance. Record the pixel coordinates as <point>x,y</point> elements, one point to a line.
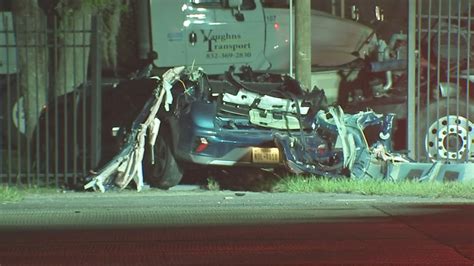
<point>276,26</point>
<point>186,23</point>
<point>197,16</point>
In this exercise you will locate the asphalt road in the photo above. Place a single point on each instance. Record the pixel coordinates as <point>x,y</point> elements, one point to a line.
<point>204,227</point>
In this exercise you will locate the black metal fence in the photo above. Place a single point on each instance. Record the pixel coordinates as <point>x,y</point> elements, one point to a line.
<point>441,105</point>
<point>50,98</point>
<point>50,91</point>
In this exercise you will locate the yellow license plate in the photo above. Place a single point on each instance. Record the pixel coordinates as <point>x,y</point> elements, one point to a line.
<point>265,155</point>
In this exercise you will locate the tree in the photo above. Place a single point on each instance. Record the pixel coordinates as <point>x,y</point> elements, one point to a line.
<point>47,73</point>
<point>32,58</point>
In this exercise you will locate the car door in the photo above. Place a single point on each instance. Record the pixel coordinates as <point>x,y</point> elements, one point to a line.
<point>229,36</point>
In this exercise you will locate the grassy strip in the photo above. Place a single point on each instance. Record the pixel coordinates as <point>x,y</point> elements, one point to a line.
<point>15,194</point>
<point>374,187</point>
<point>9,194</point>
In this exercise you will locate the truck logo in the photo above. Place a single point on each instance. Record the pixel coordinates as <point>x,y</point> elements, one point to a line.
<point>208,38</point>
<point>221,41</point>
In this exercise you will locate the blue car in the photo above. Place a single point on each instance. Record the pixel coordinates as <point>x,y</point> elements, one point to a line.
<point>231,121</point>
<point>221,121</point>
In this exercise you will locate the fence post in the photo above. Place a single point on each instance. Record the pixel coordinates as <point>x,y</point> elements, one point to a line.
<point>96,93</point>
<point>411,127</point>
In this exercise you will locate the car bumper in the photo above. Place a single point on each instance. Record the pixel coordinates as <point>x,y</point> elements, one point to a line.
<point>227,148</point>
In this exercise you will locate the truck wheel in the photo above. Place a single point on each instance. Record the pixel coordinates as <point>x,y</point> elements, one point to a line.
<point>451,136</point>
<point>166,172</point>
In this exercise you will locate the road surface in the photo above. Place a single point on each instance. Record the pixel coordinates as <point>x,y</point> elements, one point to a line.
<point>227,227</point>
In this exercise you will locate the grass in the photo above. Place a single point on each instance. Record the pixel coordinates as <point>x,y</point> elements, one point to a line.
<point>213,184</point>
<point>374,187</point>
<point>15,194</point>
<point>9,194</point>
<point>295,184</point>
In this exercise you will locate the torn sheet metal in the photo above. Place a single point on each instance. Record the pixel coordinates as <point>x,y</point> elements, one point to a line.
<point>337,147</point>
<point>127,164</point>
<point>275,120</point>
<point>265,102</point>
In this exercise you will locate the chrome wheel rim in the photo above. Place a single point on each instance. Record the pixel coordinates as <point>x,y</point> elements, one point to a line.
<point>450,138</point>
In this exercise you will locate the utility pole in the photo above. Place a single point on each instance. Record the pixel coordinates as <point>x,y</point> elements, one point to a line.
<point>143,29</point>
<point>303,42</point>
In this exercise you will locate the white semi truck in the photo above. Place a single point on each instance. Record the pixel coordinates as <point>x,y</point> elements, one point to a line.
<point>215,34</point>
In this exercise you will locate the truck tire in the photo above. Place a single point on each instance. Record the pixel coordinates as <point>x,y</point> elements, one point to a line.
<point>449,136</point>
<point>166,172</point>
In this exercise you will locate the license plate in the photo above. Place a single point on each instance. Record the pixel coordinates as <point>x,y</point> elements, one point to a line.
<point>265,155</point>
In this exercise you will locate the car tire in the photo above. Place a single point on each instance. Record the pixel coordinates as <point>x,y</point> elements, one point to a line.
<point>13,115</point>
<point>166,172</point>
<point>449,136</point>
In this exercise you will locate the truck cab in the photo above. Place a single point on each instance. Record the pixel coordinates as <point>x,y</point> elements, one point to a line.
<point>214,34</point>
<point>208,33</point>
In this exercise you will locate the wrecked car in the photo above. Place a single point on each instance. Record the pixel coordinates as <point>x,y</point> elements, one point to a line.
<point>189,122</point>
<point>223,122</point>
<point>258,120</point>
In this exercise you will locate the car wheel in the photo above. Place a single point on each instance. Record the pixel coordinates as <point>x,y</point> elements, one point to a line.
<point>166,172</point>
<point>13,114</point>
<point>448,135</point>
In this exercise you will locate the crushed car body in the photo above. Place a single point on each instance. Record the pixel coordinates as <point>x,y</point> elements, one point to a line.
<point>127,164</point>
<point>359,160</point>
<point>259,120</point>
<point>212,123</point>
